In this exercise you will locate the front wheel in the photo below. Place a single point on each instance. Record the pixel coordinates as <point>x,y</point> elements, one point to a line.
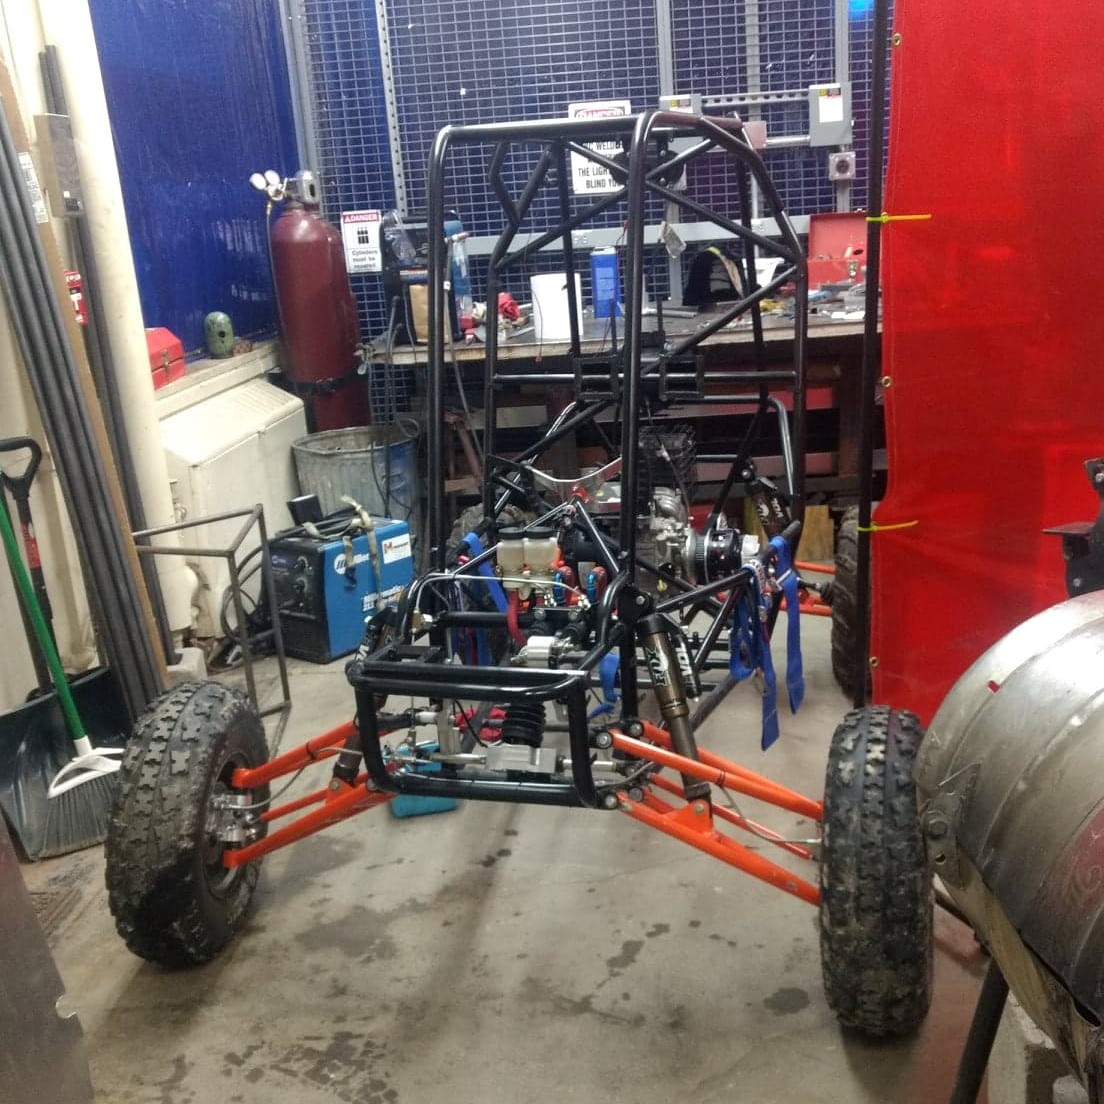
<point>845,604</point>
<point>174,900</point>
<point>875,886</point>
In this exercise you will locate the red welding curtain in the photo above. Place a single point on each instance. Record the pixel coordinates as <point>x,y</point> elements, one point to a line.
<point>994,326</point>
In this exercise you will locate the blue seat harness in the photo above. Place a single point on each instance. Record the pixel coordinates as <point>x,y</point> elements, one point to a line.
<point>750,652</point>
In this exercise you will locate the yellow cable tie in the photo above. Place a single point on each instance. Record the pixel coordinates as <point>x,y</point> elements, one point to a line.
<point>884,217</point>
<point>875,528</point>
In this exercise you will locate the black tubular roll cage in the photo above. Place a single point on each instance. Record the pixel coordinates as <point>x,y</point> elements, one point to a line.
<point>422,671</point>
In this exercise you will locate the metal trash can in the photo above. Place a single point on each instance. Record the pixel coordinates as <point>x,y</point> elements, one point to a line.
<point>375,465</point>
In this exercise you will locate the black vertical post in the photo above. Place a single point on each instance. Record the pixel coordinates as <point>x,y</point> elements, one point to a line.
<point>979,1042</point>
<point>871,361</point>
<point>438,319</point>
<point>633,350</point>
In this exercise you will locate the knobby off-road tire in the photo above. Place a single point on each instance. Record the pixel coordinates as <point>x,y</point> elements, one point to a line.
<point>173,901</point>
<point>876,889</point>
<point>845,606</point>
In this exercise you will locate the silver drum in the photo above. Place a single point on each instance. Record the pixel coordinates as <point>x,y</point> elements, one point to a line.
<point>1011,783</point>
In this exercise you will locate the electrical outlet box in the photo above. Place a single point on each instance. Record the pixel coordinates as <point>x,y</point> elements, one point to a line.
<point>841,165</point>
<point>690,102</point>
<point>829,114</point>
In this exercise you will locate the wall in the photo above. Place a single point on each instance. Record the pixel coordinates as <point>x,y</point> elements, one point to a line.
<point>199,99</point>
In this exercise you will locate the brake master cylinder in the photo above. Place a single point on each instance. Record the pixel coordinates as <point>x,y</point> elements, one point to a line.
<point>527,554</point>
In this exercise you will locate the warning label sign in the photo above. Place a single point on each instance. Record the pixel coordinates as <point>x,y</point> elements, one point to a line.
<point>587,177</point>
<point>360,234</point>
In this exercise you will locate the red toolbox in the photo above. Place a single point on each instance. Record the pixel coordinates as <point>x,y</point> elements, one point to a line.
<point>837,248</point>
<point>166,356</point>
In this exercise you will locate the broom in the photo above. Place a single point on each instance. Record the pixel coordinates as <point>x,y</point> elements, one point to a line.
<point>82,792</point>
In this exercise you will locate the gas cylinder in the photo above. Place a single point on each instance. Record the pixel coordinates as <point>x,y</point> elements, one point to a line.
<point>318,312</point>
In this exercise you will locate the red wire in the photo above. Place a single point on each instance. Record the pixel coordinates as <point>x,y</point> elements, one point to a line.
<point>512,618</point>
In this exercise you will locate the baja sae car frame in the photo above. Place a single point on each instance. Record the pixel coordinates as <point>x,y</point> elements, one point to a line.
<point>541,657</point>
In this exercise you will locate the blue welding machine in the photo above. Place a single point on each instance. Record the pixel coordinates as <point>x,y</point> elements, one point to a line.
<point>324,594</point>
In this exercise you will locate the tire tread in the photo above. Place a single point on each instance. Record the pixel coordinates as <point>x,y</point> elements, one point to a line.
<point>876,893</point>
<point>154,882</point>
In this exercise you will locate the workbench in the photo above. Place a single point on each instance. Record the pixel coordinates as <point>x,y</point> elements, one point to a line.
<point>541,374</point>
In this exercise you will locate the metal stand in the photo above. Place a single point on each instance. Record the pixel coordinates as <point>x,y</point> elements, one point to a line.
<point>979,1042</point>
<point>255,516</point>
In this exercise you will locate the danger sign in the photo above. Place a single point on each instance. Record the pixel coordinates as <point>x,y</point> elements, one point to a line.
<point>588,178</point>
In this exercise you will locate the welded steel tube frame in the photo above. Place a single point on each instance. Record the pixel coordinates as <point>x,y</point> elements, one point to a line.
<point>416,661</point>
<point>644,174</point>
<point>253,518</point>
<point>559,137</point>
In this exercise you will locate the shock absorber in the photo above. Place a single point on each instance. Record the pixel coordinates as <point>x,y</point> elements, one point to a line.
<point>674,681</point>
<point>524,724</point>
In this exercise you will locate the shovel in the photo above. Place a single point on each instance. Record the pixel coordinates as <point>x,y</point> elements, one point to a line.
<point>54,801</point>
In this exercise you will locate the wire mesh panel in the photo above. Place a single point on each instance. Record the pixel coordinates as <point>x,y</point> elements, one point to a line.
<point>470,62</point>
<point>467,62</point>
<point>861,25</point>
<point>764,46</point>
<point>346,82</point>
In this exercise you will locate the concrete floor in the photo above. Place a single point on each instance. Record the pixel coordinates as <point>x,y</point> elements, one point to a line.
<point>498,954</point>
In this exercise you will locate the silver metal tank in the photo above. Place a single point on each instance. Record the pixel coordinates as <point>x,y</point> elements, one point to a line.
<point>1011,783</point>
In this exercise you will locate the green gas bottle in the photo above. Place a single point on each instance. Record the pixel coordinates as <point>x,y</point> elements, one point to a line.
<point>219,331</point>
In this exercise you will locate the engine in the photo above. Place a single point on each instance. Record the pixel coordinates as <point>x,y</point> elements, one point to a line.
<point>553,576</point>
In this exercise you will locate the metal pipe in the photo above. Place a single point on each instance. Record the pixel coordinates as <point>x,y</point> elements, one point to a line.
<point>112,646</point>
<point>435,374</point>
<point>27,325</point>
<point>36,318</point>
<point>779,376</point>
<point>632,353</point>
<point>490,789</point>
<point>872,354</point>
<point>48,336</point>
<point>69,26</point>
<point>979,1041</point>
<point>573,305</point>
<point>536,244</point>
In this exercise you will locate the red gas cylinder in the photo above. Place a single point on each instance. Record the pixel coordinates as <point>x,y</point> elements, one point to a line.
<point>318,316</point>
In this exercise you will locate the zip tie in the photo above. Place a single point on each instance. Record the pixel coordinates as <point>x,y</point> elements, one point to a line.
<point>884,217</point>
<point>875,528</point>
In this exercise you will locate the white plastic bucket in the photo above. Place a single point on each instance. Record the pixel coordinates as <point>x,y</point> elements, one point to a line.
<point>551,313</point>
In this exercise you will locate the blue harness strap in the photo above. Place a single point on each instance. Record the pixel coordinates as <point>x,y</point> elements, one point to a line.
<point>750,654</point>
<point>607,674</point>
<point>749,642</point>
<point>482,647</point>
<point>788,580</point>
<point>487,571</point>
